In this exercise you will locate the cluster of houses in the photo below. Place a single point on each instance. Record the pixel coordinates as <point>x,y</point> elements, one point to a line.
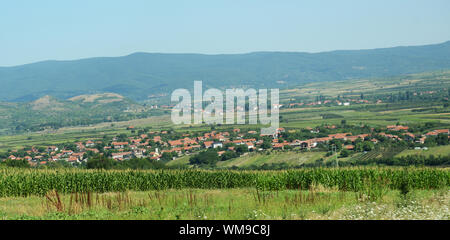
<point>412,137</point>
<point>336,102</point>
<point>154,144</point>
<point>348,102</point>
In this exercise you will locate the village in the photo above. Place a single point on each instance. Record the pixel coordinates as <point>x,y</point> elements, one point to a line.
<point>168,145</point>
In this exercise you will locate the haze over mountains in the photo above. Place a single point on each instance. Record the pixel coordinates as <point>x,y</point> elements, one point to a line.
<point>139,75</point>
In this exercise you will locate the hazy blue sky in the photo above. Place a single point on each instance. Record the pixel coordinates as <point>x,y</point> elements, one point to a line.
<point>33,30</point>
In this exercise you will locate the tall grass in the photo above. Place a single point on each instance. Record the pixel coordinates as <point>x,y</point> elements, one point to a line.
<point>24,182</point>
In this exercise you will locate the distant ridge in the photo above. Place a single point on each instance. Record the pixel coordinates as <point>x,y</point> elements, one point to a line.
<point>139,75</point>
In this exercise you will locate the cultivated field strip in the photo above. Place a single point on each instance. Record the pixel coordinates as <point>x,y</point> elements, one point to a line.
<point>25,182</point>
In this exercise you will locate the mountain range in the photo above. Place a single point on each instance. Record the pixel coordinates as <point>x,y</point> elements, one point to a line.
<point>140,75</point>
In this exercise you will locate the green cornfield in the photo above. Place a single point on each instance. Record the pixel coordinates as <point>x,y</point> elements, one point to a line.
<point>25,182</point>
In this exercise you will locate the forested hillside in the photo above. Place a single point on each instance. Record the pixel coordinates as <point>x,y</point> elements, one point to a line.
<point>140,75</point>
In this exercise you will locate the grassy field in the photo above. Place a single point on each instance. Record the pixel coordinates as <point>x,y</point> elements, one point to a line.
<point>317,202</point>
<point>436,151</point>
<point>184,160</point>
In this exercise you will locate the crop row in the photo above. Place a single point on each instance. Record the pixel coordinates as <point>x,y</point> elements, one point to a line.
<point>24,182</point>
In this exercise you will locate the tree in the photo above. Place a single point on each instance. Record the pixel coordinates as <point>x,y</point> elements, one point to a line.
<point>122,137</point>
<point>16,163</point>
<point>368,146</point>
<point>58,164</point>
<point>100,162</point>
<point>344,153</point>
<point>69,146</point>
<point>208,157</point>
<point>266,144</point>
<point>141,163</point>
<point>442,139</point>
<point>229,155</point>
<point>359,147</point>
<point>168,156</point>
<point>288,147</point>
<point>100,146</point>
<point>240,149</point>
<point>41,149</point>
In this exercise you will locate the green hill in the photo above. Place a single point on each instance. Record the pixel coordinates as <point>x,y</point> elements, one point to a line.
<point>139,75</point>
<point>49,112</point>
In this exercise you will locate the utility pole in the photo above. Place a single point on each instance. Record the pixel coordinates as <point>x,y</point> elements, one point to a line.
<point>337,160</point>
<point>335,154</point>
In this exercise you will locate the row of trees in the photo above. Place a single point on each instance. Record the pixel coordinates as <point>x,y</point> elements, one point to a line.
<point>210,156</point>
<point>103,162</point>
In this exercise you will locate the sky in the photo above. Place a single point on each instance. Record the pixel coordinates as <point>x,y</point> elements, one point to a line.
<point>32,31</point>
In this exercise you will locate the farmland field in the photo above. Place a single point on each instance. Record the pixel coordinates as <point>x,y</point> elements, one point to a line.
<point>350,193</point>
<point>436,151</point>
<point>292,118</point>
<point>18,182</point>
<point>257,159</point>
